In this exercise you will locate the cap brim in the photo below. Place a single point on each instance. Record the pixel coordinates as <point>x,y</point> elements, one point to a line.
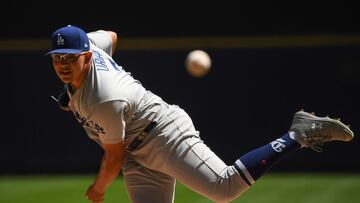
<point>64,51</point>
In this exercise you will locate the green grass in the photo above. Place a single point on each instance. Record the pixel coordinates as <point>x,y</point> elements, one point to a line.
<point>279,188</point>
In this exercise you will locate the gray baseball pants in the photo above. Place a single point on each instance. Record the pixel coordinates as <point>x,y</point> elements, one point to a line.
<point>173,150</point>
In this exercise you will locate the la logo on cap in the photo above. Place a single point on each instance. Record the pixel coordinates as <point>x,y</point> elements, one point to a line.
<point>60,40</point>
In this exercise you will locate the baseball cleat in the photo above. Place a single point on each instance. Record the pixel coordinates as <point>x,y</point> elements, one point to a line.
<point>312,131</point>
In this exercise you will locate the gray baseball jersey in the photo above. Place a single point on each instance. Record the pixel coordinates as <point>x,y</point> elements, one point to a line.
<point>113,106</point>
<point>111,98</point>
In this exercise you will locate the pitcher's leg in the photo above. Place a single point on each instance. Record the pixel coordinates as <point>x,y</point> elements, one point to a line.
<point>197,167</point>
<point>146,185</point>
<point>177,150</point>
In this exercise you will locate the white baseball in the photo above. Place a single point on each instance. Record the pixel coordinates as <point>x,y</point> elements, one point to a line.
<point>198,63</point>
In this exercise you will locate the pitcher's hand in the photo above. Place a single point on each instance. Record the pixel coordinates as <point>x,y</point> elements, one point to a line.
<point>94,195</point>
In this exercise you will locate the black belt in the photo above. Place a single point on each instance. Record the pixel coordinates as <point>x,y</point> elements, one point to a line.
<point>140,138</point>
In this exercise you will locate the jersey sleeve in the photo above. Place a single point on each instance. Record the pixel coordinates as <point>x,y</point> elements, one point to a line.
<point>109,121</point>
<point>102,40</point>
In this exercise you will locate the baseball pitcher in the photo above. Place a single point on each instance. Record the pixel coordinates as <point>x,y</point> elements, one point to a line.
<point>152,142</point>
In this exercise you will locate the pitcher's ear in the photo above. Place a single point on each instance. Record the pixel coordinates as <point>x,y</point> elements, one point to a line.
<point>88,56</point>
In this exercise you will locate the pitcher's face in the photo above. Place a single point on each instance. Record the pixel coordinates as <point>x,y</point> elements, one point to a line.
<point>71,68</point>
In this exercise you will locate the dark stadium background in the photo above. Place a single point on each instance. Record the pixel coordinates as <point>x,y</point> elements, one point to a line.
<point>247,99</point>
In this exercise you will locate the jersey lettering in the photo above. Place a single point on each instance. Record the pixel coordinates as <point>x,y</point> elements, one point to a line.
<point>89,123</point>
<point>99,61</point>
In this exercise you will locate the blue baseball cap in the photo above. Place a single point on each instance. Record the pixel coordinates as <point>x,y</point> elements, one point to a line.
<point>69,40</point>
